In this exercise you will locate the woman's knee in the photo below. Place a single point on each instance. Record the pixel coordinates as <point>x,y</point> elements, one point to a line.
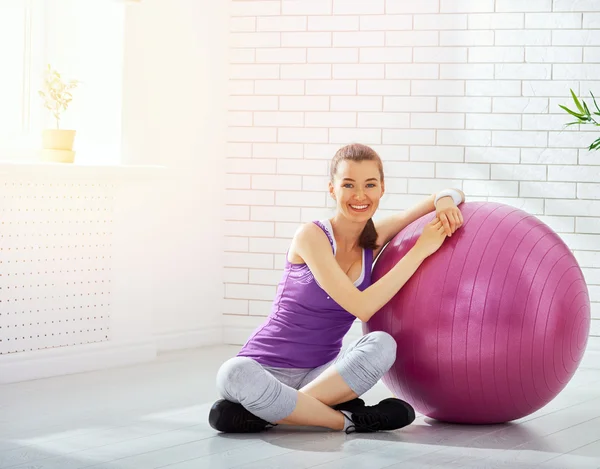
<point>371,357</point>
<point>385,349</point>
<point>234,375</point>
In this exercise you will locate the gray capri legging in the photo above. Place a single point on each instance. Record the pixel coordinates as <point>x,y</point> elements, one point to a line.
<point>271,393</point>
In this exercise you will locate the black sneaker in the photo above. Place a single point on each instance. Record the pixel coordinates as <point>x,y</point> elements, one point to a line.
<point>389,414</point>
<point>350,406</point>
<point>229,417</point>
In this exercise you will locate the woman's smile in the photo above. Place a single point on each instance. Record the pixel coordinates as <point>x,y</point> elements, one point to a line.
<point>361,208</point>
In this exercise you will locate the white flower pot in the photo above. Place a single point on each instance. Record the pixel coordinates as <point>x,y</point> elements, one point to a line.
<point>57,145</point>
<point>57,139</point>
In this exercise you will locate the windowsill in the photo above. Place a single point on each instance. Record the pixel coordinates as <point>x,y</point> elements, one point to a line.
<point>80,170</point>
<point>25,160</point>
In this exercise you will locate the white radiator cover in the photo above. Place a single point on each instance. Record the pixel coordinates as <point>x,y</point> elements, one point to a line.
<point>77,287</point>
<point>55,263</point>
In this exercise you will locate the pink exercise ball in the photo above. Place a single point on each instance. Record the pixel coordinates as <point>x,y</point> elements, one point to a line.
<point>493,325</point>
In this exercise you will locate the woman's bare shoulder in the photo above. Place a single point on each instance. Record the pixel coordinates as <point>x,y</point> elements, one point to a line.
<point>307,235</point>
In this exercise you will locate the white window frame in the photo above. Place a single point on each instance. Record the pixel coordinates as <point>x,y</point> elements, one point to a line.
<point>25,146</point>
<point>31,115</point>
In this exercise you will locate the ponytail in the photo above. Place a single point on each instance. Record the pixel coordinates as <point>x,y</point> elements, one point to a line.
<point>368,237</point>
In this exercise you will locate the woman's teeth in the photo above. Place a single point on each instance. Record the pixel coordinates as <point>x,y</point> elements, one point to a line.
<point>359,207</point>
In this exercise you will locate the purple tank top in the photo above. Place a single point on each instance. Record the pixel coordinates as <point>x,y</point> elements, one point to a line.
<point>306,327</point>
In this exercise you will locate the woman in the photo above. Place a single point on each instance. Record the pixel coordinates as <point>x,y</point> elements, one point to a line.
<point>291,370</point>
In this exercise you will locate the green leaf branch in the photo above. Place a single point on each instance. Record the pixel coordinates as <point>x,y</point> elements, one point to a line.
<point>584,116</point>
<point>56,93</point>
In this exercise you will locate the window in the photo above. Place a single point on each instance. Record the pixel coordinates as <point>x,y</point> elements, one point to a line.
<point>15,54</point>
<point>81,39</point>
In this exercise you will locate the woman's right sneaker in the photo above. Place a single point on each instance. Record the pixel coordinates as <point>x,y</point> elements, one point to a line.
<point>230,417</point>
<point>389,414</point>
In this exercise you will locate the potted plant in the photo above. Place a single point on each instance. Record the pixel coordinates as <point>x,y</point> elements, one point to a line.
<point>57,143</point>
<point>584,116</point>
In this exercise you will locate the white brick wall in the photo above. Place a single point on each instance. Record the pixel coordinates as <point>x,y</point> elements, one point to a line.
<point>451,93</point>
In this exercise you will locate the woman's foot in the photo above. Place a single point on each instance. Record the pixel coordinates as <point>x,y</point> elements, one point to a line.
<point>389,414</point>
<point>229,417</point>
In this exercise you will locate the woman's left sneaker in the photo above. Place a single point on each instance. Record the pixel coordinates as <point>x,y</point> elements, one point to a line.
<point>229,417</point>
<point>389,414</point>
<point>350,406</point>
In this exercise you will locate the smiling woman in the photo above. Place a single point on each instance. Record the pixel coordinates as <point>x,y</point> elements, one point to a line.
<point>292,371</point>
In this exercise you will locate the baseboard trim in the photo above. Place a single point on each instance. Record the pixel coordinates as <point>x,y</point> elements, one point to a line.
<point>26,366</point>
<point>182,340</point>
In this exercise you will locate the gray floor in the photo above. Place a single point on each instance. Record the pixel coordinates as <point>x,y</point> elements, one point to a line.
<point>155,415</point>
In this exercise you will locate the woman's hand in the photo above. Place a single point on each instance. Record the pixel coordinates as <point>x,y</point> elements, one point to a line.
<point>449,214</point>
<point>431,239</point>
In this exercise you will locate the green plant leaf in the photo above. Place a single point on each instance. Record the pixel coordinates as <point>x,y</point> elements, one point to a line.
<point>577,103</point>
<point>572,123</point>
<point>573,113</point>
<point>595,145</point>
<point>595,103</point>
<point>587,111</point>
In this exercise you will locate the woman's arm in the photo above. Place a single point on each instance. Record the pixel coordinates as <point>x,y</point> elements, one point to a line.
<point>312,245</point>
<point>390,226</point>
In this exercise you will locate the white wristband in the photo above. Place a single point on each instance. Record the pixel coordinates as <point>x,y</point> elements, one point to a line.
<point>448,192</point>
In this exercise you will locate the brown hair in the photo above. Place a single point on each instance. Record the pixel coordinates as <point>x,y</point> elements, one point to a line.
<point>359,152</point>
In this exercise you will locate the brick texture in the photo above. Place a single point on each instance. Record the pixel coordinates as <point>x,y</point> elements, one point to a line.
<point>452,93</point>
